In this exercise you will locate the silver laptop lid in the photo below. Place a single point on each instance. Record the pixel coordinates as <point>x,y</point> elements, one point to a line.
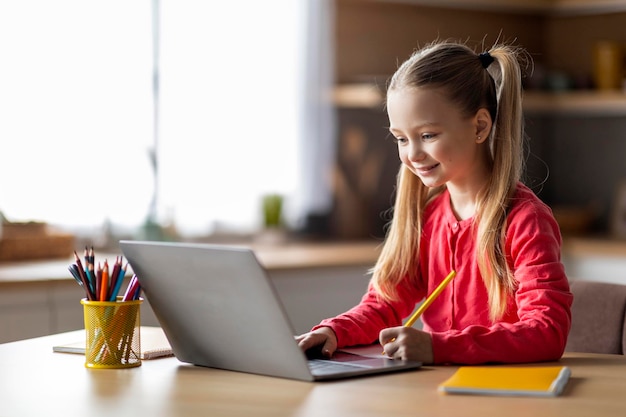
<point>217,307</point>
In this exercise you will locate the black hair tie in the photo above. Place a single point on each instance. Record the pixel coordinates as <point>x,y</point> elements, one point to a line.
<point>485,59</point>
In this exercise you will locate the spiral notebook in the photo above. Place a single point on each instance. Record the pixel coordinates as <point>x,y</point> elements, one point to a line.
<point>534,381</point>
<point>154,344</point>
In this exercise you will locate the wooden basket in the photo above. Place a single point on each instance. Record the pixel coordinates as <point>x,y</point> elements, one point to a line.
<point>33,241</point>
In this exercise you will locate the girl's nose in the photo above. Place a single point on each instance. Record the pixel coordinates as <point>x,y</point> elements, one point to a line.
<point>416,153</point>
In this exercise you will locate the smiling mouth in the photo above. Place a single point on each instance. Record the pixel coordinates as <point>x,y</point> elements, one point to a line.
<point>426,170</point>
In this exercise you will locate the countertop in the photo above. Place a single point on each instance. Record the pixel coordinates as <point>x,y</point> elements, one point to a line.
<point>301,256</point>
<point>272,257</point>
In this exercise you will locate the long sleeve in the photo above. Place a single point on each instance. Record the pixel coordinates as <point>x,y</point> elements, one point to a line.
<point>361,324</point>
<point>537,323</point>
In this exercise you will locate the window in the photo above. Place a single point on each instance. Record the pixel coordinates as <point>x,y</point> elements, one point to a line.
<point>75,105</point>
<point>80,117</point>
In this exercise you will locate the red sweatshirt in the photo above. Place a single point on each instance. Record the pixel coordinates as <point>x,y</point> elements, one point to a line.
<point>537,321</point>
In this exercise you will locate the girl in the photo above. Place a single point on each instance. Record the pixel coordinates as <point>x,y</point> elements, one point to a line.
<point>457,120</point>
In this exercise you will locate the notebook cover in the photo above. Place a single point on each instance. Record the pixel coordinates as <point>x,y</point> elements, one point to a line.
<point>538,381</point>
<point>154,344</point>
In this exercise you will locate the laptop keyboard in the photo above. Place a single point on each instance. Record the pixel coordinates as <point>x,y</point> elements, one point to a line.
<point>325,367</point>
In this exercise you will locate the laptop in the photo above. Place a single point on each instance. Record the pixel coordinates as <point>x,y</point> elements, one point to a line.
<point>218,308</point>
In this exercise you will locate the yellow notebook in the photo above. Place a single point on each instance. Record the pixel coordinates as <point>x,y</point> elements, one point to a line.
<point>154,344</point>
<point>537,381</point>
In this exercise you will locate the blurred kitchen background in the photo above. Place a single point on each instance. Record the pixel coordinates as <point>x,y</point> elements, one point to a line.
<point>262,122</point>
<point>176,119</point>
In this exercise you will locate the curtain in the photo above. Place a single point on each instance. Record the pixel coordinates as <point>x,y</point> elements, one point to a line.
<point>318,128</point>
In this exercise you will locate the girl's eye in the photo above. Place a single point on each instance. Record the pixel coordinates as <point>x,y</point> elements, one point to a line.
<point>428,136</point>
<point>399,140</point>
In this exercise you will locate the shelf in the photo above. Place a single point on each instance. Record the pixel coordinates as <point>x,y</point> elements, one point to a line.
<point>587,103</point>
<point>541,7</point>
<point>363,95</point>
<point>582,247</point>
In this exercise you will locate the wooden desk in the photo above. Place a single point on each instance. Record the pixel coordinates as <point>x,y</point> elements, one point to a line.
<point>34,381</point>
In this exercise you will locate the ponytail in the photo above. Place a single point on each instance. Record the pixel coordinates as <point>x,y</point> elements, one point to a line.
<point>506,148</point>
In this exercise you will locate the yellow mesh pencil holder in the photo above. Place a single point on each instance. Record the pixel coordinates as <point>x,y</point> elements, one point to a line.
<point>112,333</point>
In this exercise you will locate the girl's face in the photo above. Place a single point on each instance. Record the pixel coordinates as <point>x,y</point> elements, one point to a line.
<point>435,140</point>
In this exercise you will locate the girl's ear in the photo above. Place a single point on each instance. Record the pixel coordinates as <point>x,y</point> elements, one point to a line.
<point>483,125</point>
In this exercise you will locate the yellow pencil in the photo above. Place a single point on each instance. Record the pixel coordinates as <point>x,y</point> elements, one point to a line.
<point>429,300</point>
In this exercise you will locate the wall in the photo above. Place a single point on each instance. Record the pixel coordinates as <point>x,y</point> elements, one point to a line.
<point>585,159</point>
<point>585,154</point>
<point>373,37</point>
<point>569,40</point>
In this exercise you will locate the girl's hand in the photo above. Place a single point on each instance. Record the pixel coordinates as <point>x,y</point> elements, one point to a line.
<point>324,338</point>
<point>407,343</point>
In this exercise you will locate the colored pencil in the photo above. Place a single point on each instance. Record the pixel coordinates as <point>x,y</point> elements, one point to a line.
<point>83,277</point>
<point>418,313</point>
<point>429,300</point>
<point>99,283</point>
<point>104,284</point>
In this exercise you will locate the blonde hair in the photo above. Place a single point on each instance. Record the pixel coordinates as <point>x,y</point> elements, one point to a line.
<point>471,83</point>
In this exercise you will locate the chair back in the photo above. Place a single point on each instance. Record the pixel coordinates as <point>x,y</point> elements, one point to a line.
<point>598,318</point>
